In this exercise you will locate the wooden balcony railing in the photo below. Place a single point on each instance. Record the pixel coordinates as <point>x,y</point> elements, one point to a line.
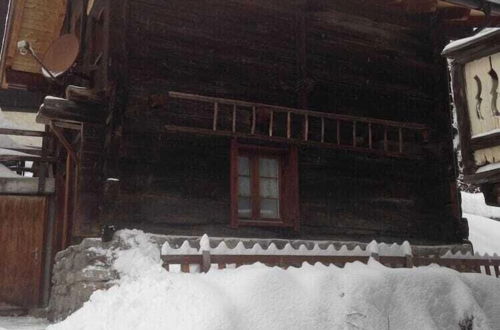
<point>219,116</point>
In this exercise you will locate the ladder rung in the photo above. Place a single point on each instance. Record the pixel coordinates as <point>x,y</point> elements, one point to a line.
<point>216,112</point>
<point>271,115</point>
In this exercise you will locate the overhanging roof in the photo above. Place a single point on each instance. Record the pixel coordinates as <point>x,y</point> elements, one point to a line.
<point>37,21</point>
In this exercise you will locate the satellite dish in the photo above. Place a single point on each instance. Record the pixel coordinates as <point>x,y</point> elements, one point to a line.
<point>61,55</point>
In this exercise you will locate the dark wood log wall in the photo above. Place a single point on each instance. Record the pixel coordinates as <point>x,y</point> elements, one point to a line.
<point>337,56</point>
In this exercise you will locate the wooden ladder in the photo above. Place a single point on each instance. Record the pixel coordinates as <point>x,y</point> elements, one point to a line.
<point>282,124</point>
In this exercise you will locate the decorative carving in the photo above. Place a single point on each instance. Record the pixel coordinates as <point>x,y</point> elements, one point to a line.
<point>494,90</point>
<point>479,100</point>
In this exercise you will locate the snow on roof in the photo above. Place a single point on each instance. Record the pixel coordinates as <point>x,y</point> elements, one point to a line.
<point>9,152</point>
<point>5,172</point>
<point>462,43</point>
<point>7,141</point>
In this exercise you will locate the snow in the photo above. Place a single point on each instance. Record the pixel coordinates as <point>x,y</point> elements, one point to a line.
<point>22,323</point>
<point>487,168</point>
<point>5,172</point>
<point>457,44</point>
<point>272,249</point>
<point>475,204</point>
<point>484,231</point>
<point>358,296</point>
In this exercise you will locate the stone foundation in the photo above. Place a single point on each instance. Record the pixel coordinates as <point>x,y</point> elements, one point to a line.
<point>78,272</point>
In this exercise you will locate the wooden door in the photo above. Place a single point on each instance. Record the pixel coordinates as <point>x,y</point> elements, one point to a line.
<point>22,223</point>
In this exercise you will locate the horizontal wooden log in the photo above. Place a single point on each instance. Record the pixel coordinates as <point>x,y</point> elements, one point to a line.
<point>22,132</point>
<point>65,110</point>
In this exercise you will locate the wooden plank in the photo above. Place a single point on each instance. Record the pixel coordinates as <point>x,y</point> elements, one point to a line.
<point>21,132</point>
<point>66,110</point>
<point>21,242</point>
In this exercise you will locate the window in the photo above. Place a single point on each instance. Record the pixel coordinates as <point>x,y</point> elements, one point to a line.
<point>264,186</point>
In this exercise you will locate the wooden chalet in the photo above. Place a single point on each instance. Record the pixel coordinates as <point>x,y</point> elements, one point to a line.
<point>306,119</point>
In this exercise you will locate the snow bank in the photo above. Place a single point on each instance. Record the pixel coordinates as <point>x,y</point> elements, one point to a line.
<point>5,172</point>
<point>311,297</point>
<point>475,204</point>
<point>22,323</point>
<point>484,232</point>
<point>460,43</point>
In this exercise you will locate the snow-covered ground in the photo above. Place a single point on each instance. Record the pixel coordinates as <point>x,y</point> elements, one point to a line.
<point>22,323</point>
<point>484,232</point>
<point>358,296</point>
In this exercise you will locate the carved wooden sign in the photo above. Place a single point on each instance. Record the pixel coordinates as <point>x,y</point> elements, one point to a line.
<point>481,78</point>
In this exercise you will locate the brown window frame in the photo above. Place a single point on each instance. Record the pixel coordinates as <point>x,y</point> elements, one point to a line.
<point>287,180</point>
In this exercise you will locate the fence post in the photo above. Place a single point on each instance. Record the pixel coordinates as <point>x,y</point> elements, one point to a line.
<point>408,254</point>
<point>205,261</point>
<point>372,247</point>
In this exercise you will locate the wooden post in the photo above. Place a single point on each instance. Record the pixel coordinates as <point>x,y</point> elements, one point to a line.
<point>68,200</point>
<point>271,123</point>
<point>234,118</point>
<point>205,261</point>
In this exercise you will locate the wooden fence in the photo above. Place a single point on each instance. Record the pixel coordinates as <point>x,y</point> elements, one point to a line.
<point>205,261</point>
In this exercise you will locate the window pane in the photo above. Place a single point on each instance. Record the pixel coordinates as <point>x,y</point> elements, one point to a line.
<point>269,208</point>
<point>243,165</point>
<point>268,167</point>
<point>244,186</point>
<point>269,188</point>
<point>244,207</point>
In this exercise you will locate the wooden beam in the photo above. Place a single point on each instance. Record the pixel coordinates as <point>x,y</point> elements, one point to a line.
<point>66,110</point>
<point>60,136</point>
<point>21,132</point>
